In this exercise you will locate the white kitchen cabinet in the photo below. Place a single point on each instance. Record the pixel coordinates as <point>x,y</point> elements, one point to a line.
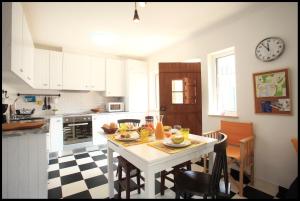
<point>75,70</point>
<point>97,74</point>
<point>56,134</point>
<point>17,39</point>
<point>24,166</point>
<point>115,78</point>
<point>27,54</point>
<point>41,69</point>
<point>56,70</point>
<point>17,44</point>
<point>98,134</point>
<point>136,99</point>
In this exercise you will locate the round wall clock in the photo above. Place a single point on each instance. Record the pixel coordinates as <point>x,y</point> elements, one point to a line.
<point>269,49</point>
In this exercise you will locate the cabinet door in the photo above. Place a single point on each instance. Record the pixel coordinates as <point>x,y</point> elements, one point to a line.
<point>136,86</point>
<point>98,134</point>
<point>17,39</point>
<point>97,74</point>
<point>56,70</point>
<point>115,74</point>
<point>75,69</point>
<point>56,134</point>
<point>27,53</point>
<point>41,69</point>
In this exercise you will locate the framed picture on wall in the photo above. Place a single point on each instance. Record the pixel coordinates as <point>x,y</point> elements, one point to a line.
<point>271,92</point>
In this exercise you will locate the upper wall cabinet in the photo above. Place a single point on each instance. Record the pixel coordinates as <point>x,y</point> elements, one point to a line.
<point>47,69</point>
<point>115,78</point>
<point>27,54</point>
<point>41,69</point>
<point>75,71</point>
<point>136,99</point>
<point>17,44</point>
<point>56,70</point>
<point>17,39</point>
<point>97,74</point>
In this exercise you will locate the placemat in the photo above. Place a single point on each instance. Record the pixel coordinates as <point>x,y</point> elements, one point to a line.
<point>172,150</point>
<point>126,143</point>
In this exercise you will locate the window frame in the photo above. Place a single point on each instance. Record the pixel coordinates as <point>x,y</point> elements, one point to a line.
<point>212,83</point>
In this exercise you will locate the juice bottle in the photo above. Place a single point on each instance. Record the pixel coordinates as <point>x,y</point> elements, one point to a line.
<point>159,130</point>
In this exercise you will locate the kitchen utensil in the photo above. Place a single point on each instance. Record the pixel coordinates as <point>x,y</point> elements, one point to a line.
<point>49,106</point>
<point>45,104</point>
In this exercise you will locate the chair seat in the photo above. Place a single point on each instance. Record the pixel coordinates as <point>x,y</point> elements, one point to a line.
<point>233,152</point>
<point>196,183</point>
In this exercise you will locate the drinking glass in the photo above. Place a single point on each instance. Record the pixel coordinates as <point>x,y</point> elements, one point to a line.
<point>185,132</point>
<point>144,135</point>
<point>178,127</point>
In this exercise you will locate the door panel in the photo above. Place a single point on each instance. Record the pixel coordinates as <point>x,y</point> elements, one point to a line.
<point>186,112</point>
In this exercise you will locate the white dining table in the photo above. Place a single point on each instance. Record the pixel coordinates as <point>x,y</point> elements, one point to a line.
<point>151,160</point>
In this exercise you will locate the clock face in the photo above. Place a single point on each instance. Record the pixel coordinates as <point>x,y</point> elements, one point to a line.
<point>269,49</point>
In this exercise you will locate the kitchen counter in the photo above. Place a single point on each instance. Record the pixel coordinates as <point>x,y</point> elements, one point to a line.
<point>42,130</point>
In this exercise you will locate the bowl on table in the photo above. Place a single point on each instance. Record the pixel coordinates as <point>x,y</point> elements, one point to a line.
<point>109,130</point>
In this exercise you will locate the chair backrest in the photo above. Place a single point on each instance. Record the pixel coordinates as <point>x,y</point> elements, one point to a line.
<point>135,122</point>
<point>236,131</point>
<point>220,164</point>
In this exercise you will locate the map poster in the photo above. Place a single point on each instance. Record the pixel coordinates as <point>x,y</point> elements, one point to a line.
<point>271,91</point>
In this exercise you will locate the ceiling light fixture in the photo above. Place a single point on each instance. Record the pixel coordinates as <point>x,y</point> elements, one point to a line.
<point>136,16</point>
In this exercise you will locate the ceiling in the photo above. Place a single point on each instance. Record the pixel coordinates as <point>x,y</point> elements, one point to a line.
<point>75,25</point>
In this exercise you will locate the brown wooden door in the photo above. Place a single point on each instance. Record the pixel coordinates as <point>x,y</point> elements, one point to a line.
<point>181,106</point>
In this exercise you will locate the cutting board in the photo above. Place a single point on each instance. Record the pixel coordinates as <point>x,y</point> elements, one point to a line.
<point>22,125</point>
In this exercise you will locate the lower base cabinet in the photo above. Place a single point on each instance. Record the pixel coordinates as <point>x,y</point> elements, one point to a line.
<point>24,166</point>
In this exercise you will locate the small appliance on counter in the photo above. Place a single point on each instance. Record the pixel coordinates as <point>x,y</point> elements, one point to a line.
<point>115,107</point>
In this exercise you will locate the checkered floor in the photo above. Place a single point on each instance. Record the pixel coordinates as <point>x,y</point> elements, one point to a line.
<point>84,175</point>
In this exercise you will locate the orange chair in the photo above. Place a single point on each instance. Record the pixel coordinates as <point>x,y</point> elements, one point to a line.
<point>240,149</point>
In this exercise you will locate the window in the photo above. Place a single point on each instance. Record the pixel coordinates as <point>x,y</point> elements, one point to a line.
<point>222,83</point>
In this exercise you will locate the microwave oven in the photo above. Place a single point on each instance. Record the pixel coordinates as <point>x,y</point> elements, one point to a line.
<point>115,107</point>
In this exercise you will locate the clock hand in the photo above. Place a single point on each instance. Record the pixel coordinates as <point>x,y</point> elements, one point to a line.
<point>267,47</point>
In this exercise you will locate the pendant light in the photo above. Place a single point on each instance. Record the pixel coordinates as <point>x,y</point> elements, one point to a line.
<point>136,18</point>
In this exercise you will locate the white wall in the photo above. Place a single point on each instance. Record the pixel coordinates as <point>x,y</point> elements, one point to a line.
<point>275,159</point>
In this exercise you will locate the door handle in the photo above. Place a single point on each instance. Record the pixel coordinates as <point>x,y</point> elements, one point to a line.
<point>163,108</point>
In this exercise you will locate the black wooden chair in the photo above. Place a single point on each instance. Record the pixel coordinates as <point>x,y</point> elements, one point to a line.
<point>191,183</point>
<point>164,174</point>
<point>129,169</point>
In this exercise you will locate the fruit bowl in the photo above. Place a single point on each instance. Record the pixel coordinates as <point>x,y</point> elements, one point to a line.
<point>109,130</point>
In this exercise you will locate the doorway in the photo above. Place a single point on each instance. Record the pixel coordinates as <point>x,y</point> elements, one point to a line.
<point>180,95</point>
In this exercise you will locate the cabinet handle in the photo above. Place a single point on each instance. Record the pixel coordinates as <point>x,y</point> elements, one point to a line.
<point>58,120</point>
<point>58,85</point>
<point>86,86</point>
<point>45,84</point>
<point>21,70</point>
<point>28,78</point>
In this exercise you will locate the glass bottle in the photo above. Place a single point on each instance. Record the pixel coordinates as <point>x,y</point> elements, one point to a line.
<point>159,130</point>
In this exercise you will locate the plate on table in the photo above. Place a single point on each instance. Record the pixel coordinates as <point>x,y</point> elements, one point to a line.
<point>169,142</point>
<point>127,136</point>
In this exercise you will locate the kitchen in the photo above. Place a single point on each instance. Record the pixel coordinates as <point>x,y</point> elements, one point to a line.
<point>77,83</point>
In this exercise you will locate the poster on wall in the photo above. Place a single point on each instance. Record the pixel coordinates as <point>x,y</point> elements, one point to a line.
<point>271,92</point>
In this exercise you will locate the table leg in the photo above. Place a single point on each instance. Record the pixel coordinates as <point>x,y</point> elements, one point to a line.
<point>211,156</point>
<point>149,184</point>
<point>110,172</point>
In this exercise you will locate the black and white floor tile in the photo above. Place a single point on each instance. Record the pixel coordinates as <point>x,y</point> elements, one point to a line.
<point>84,175</point>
